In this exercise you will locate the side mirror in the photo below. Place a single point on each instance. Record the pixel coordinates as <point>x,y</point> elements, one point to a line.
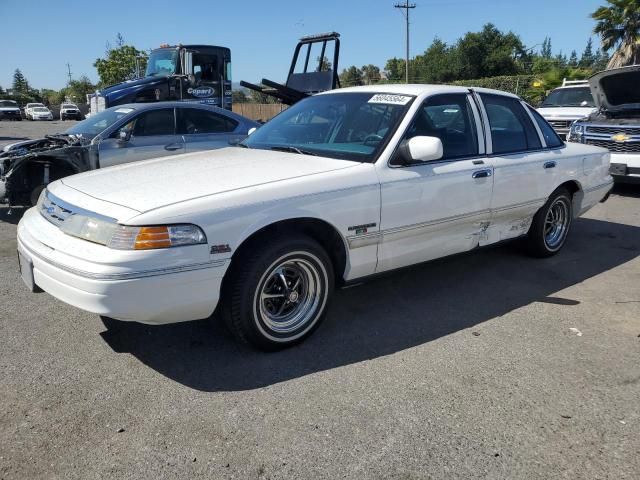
<point>251,130</point>
<point>124,136</point>
<point>421,149</point>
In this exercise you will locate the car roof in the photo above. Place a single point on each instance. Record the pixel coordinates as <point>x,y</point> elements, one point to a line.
<point>141,107</point>
<point>416,89</point>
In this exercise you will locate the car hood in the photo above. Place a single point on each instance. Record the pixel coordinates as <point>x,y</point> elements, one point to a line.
<point>565,112</point>
<point>151,184</point>
<point>617,89</point>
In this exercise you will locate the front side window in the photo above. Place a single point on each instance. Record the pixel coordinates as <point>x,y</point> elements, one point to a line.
<point>350,126</point>
<point>448,117</point>
<point>195,120</point>
<point>551,138</point>
<point>154,122</point>
<point>511,128</point>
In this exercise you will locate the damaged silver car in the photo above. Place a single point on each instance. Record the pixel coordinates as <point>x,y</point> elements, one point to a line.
<point>122,134</point>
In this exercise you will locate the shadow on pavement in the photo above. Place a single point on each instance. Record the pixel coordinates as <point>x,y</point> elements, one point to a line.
<point>384,316</point>
<point>11,216</point>
<point>626,190</point>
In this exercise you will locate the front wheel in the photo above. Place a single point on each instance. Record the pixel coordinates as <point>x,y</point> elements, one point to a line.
<point>278,292</point>
<point>551,225</point>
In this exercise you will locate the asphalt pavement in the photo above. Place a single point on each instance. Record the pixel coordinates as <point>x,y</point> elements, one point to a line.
<point>484,365</point>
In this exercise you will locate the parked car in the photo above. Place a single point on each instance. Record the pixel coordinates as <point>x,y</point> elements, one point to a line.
<point>40,113</point>
<point>70,110</point>
<point>616,124</point>
<point>9,110</point>
<point>340,186</point>
<point>29,107</point>
<point>566,104</point>
<point>123,134</point>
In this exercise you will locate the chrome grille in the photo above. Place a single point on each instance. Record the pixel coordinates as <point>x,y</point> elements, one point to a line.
<point>54,210</point>
<point>560,123</point>
<point>617,147</point>
<point>613,130</point>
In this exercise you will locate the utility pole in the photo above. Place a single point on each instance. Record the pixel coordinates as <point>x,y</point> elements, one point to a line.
<point>69,72</point>
<point>406,6</point>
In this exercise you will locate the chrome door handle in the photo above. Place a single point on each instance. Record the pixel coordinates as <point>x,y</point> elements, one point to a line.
<point>550,164</point>
<point>173,146</point>
<point>481,173</point>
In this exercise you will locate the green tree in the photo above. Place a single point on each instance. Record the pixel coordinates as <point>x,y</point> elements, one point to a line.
<point>20,84</point>
<point>351,76</point>
<point>488,53</point>
<point>546,48</point>
<point>618,25</point>
<point>588,58</point>
<point>370,74</point>
<point>573,59</point>
<point>395,69</point>
<point>77,90</point>
<point>119,63</point>
<point>238,96</point>
<point>323,66</point>
<point>437,64</point>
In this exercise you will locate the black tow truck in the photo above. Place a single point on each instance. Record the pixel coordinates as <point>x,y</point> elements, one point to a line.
<point>194,73</point>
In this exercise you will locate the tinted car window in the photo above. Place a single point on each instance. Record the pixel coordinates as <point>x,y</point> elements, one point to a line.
<point>448,117</point>
<point>511,127</point>
<point>154,122</point>
<point>550,136</point>
<point>195,120</point>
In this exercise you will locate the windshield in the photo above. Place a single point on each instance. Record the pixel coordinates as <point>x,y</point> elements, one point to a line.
<point>8,103</point>
<point>162,62</point>
<point>570,97</point>
<point>41,109</point>
<point>97,123</point>
<point>69,106</point>
<point>348,126</point>
<point>32,105</point>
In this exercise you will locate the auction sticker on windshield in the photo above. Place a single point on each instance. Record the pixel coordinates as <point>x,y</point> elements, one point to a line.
<point>124,110</point>
<point>390,99</point>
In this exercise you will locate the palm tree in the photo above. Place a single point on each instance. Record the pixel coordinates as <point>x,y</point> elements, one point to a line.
<point>619,26</point>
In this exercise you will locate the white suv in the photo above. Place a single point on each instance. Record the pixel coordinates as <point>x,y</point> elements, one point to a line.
<point>566,104</point>
<point>70,110</point>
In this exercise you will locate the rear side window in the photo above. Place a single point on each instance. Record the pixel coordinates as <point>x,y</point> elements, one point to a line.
<point>511,128</point>
<point>550,136</point>
<point>192,121</point>
<point>154,122</point>
<point>448,117</point>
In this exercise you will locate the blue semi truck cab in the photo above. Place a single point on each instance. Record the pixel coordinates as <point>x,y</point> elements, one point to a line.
<point>191,73</point>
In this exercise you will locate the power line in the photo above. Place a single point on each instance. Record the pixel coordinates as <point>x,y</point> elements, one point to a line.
<point>406,6</point>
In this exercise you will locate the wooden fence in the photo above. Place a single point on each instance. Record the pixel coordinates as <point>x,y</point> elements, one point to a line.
<point>259,111</point>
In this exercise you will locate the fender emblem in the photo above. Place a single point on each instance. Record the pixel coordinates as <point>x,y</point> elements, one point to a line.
<point>360,229</point>
<point>225,248</point>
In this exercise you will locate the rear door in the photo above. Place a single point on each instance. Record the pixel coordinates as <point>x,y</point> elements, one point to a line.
<point>153,135</point>
<point>523,166</point>
<point>204,129</point>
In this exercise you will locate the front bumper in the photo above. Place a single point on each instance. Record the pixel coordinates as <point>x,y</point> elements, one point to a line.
<point>625,168</point>
<point>154,293</point>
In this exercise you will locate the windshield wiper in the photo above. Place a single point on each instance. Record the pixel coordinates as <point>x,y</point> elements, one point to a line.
<point>292,149</point>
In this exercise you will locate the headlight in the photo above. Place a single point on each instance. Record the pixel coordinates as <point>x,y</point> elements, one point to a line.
<point>575,132</point>
<point>120,237</point>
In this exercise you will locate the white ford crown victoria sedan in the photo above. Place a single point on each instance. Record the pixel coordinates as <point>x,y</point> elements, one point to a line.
<point>340,186</point>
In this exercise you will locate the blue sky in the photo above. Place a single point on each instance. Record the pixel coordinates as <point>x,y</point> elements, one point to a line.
<point>40,37</point>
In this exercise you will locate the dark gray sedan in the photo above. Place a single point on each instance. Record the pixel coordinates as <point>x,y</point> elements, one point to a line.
<point>122,134</point>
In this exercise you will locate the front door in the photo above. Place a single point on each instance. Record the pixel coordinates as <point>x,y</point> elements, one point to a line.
<point>153,135</point>
<point>437,208</point>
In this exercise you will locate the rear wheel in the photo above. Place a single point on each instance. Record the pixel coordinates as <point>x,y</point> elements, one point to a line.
<point>278,293</point>
<point>551,225</point>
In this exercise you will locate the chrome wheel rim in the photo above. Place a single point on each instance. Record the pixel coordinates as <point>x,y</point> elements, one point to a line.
<point>556,224</point>
<point>290,296</point>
